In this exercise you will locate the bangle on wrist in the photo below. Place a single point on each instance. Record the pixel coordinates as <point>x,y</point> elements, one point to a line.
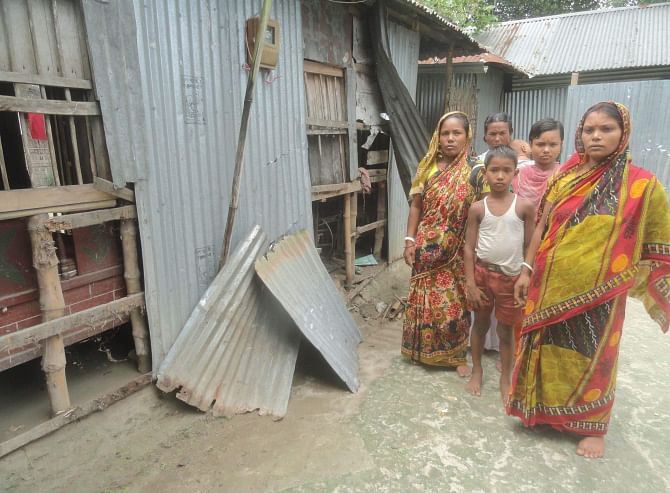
<point>410,238</point>
<point>527,266</point>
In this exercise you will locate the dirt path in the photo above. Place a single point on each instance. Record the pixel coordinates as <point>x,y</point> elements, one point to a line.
<point>407,429</point>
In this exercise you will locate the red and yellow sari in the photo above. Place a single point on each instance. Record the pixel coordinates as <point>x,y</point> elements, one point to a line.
<point>608,234</point>
<point>435,331</point>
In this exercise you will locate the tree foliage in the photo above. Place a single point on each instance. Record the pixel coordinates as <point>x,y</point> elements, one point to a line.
<point>476,15</point>
<point>470,15</point>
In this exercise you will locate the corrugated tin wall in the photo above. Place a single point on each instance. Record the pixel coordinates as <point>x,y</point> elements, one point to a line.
<point>193,76</point>
<point>404,45</point>
<point>430,98</point>
<point>526,107</point>
<point>650,140</point>
<point>489,101</point>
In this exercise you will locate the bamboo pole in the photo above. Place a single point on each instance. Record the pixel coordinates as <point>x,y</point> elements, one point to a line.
<point>241,141</point>
<point>52,305</point>
<point>381,214</point>
<point>131,273</point>
<point>348,256</point>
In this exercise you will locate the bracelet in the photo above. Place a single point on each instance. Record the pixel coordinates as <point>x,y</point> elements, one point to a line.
<point>527,265</point>
<point>409,238</point>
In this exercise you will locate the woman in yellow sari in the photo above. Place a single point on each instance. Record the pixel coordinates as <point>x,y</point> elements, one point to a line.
<point>437,322</point>
<point>605,232</point>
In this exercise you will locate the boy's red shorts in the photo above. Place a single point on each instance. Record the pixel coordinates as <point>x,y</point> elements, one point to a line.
<point>499,289</point>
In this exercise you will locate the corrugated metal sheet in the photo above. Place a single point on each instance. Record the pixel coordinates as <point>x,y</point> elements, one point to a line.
<point>650,140</point>
<point>193,72</point>
<point>404,47</point>
<point>527,107</point>
<point>490,89</point>
<point>585,41</point>
<point>114,60</point>
<point>237,351</point>
<point>294,273</point>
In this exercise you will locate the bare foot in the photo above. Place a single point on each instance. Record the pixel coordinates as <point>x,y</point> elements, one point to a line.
<point>499,366</point>
<point>474,385</point>
<point>463,371</point>
<point>591,447</point>
<point>504,390</point>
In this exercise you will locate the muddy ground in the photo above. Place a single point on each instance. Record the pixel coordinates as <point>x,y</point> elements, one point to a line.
<point>409,428</point>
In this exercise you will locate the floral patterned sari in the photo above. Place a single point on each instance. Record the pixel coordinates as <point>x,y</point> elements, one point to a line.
<point>608,233</point>
<point>437,322</point>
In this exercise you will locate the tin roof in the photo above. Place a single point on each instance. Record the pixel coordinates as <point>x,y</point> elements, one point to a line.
<point>606,39</point>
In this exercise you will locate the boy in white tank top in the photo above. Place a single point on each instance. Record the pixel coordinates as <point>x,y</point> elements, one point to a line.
<point>498,232</point>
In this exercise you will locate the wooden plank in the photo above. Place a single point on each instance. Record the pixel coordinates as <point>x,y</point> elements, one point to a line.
<point>327,131</point>
<point>89,317</point>
<point>36,152</point>
<point>75,414</point>
<point>38,198</point>
<point>91,218</point>
<point>325,192</point>
<point>319,122</point>
<point>85,206</point>
<point>352,144</point>
<point>45,80</point>
<point>377,172</point>
<point>377,157</point>
<point>322,68</point>
<point>369,227</point>
<point>111,189</point>
<point>50,107</point>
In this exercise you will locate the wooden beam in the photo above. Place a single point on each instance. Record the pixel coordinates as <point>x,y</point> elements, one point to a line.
<point>318,122</point>
<point>38,198</point>
<point>84,206</point>
<point>92,316</point>
<point>49,107</point>
<point>574,79</point>
<point>84,219</point>
<point>322,68</point>
<point>45,80</point>
<point>75,414</point>
<point>111,189</point>
<point>369,227</point>
<point>327,131</point>
<point>348,187</point>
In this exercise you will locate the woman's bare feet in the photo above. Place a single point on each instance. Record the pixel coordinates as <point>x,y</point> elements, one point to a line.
<point>474,385</point>
<point>463,371</point>
<point>504,389</point>
<point>591,447</point>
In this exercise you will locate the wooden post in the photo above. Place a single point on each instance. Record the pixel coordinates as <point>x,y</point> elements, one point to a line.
<point>381,214</point>
<point>131,273</point>
<point>574,78</point>
<point>352,236</point>
<point>348,256</point>
<point>52,305</point>
<point>449,78</point>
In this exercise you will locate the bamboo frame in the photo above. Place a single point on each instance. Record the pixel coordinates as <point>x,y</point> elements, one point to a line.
<point>52,305</point>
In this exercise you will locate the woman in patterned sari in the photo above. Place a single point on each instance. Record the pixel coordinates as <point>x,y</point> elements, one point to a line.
<point>605,232</point>
<point>437,322</point>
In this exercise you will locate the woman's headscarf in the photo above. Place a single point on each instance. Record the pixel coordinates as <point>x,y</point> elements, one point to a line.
<point>425,168</point>
<point>612,165</point>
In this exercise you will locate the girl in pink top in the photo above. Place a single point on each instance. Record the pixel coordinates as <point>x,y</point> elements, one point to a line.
<point>546,140</point>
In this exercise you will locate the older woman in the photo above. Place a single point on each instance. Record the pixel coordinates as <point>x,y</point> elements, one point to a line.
<point>605,231</point>
<point>436,325</point>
